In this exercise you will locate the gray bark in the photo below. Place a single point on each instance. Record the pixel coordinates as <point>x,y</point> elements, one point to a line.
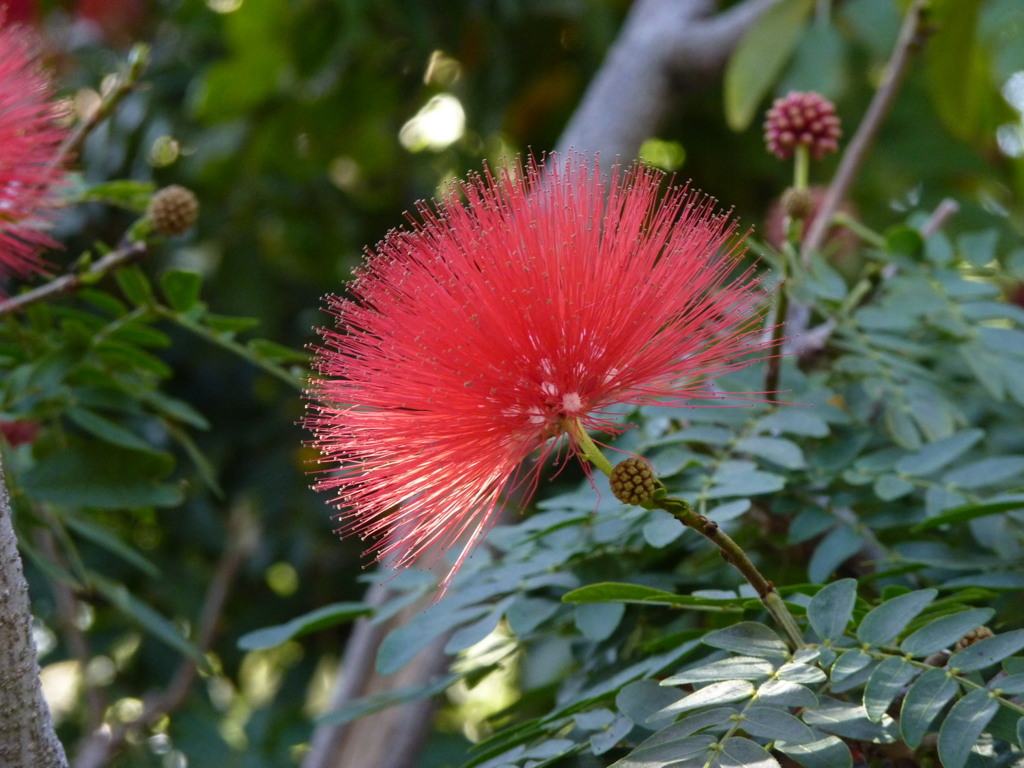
<point>665,48</point>
<point>27,737</point>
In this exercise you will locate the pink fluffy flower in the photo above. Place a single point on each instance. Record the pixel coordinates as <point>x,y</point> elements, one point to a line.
<point>30,140</point>
<point>519,305</point>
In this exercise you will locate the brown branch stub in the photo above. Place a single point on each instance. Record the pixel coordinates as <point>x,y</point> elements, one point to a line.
<point>27,737</point>
<point>665,46</point>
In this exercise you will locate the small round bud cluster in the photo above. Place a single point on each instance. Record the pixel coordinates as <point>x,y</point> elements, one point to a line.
<point>979,633</point>
<point>173,210</point>
<point>807,119</point>
<point>799,203</point>
<point>633,481</point>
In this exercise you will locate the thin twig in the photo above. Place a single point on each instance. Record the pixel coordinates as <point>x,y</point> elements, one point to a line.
<point>242,540</point>
<point>814,340</point>
<point>910,39</point>
<point>943,212</point>
<point>68,607</point>
<point>124,83</point>
<point>69,283</point>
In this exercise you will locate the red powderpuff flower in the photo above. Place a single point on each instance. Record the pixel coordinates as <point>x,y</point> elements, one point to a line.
<point>30,141</point>
<point>534,302</point>
<point>802,119</point>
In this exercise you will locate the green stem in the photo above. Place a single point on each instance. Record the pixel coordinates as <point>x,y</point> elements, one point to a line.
<point>801,166</point>
<point>232,346</point>
<point>731,551</point>
<point>773,367</point>
<point>735,556</point>
<point>866,234</point>
<point>587,448</point>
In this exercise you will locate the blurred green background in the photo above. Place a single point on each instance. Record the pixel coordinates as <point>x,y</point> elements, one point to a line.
<point>306,128</point>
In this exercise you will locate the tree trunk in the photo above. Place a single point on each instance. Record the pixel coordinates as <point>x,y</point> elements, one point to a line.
<point>27,738</point>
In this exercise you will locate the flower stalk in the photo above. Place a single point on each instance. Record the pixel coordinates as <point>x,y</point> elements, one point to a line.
<point>656,497</point>
<point>734,555</point>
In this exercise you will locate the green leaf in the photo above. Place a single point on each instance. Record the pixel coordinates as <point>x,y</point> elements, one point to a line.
<point>597,621</point>
<point>954,66</point>
<point>606,738</point>
<point>832,608</point>
<point>900,425</point>
<point>888,679</point>
<point>987,652</point>
<point>944,631</point>
<point>886,621</point>
<point>926,698</point>
<point>715,693</point>
<point>890,487</point>
<point>642,700</point>
<point>840,544</point>
<point>110,477</point>
<point>784,693</point>
<point>969,512</point>
<point>743,479</point>
<point>743,753</point>
<point>367,705</point>
<point>844,718</point>
<point>662,529</point>
<point>851,668</point>
<point>116,354</point>
<point>748,637</point>
<point>473,633</point>
<point>151,621</point>
<point>229,325</point>
<point>173,408</point>
<point>785,453</point>
<point>795,421</point>
<point>798,672</point>
<point>984,472</point>
<point>828,752</point>
<point>1012,685</point>
<point>101,537</point>
<point>135,332</point>
<point>904,240</point>
<point>525,614</point>
<point>772,723</point>
<point>732,668</point>
<point>321,618</point>
<point>669,753</point>
<point>405,643</point>
<point>614,592</point>
<point>181,288</point>
<point>760,57</point>
<point>106,430</point>
<point>278,353</point>
<point>130,195</point>
<point>937,455</point>
<point>963,725</point>
<point>134,285</point>
<point>104,301</point>
<point>818,64</point>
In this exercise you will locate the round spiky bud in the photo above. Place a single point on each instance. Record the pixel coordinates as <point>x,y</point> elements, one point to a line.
<point>633,481</point>
<point>173,210</point>
<point>979,633</point>
<point>798,203</point>
<point>807,119</point>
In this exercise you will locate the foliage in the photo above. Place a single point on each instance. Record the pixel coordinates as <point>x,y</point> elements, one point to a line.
<point>884,497</point>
